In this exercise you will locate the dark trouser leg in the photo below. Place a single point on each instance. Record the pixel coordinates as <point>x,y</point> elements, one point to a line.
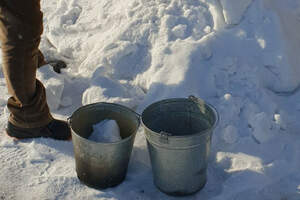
<point>20,30</point>
<point>41,59</point>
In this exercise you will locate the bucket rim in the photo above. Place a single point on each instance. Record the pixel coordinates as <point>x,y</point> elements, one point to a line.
<point>198,134</point>
<point>104,103</point>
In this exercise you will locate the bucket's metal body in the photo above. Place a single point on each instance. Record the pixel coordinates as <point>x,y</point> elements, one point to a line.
<point>178,133</point>
<point>102,165</point>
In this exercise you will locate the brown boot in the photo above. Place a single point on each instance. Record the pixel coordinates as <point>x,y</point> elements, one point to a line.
<point>56,129</point>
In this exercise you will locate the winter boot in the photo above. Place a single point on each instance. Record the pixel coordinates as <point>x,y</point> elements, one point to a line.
<point>56,129</point>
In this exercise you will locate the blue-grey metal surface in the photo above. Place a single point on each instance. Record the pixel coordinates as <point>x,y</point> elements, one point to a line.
<point>102,165</point>
<point>178,133</point>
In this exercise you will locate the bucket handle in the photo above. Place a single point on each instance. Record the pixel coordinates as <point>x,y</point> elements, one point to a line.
<point>196,99</point>
<point>202,103</point>
<point>69,121</point>
<point>164,137</point>
<point>138,115</point>
<point>199,102</point>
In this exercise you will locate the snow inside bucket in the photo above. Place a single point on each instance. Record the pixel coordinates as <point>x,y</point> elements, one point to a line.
<point>106,131</point>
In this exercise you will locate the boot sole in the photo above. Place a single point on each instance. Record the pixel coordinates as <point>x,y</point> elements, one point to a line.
<point>23,135</point>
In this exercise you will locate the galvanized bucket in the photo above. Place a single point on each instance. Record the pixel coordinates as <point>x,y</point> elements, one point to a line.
<point>178,133</point>
<point>102,165</point>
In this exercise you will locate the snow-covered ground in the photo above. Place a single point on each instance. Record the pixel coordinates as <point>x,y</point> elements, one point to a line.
<point>242,56</point>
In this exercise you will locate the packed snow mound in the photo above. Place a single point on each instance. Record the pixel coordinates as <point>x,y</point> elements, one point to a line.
<point>106,131</point>
<point>105,89</point>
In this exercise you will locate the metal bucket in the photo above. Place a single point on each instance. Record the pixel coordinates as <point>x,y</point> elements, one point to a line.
<point>178,133</point>
<point>102,165</point>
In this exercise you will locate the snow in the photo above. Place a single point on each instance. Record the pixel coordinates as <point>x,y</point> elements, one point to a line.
<point>230,134</point>
<point>264,129</point>
<point>54,86</point>
<point>234,10</point>
<point>106,131</point>
<point>240,56</point>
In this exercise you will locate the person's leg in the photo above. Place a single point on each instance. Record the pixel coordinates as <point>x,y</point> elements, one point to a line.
<point>20,30</point>
<point>41,59</point>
